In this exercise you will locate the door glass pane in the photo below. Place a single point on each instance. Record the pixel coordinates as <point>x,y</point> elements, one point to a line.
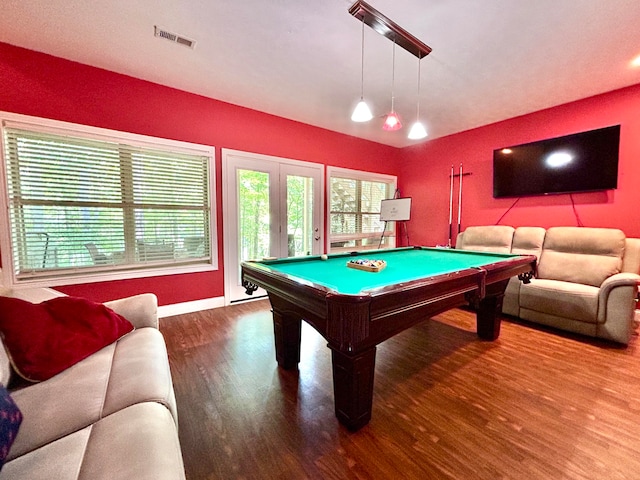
<point>253,211</point>
<point>300,229</point>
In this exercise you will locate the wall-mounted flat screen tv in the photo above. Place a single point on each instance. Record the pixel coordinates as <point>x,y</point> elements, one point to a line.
<point>582,162</point>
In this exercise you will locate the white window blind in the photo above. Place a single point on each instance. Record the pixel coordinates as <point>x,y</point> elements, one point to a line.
<point>82,203</point>
<point>355,211</point>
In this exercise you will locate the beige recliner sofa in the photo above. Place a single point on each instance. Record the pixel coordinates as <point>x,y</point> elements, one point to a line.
<point>586,281</point>
<point>111,416</point>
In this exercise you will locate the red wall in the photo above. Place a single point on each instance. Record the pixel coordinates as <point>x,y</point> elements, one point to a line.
<point>32,83</point>
<point>425,169</point>
<point>41,85</point>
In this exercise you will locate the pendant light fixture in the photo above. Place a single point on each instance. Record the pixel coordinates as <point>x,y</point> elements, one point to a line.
<point>362,113</point>
<point>417,129</point>
<point>392,122</point>
<point>391,30</point>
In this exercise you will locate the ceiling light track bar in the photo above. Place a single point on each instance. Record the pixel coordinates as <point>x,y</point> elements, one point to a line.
<point>389,29</point>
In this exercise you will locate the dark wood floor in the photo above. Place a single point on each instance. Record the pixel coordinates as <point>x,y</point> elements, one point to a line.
<point>535,404</point>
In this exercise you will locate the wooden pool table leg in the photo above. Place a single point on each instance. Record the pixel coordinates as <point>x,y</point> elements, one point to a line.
<point>488,317</point>
<point>353,386</point>
<point>489,310</point>
<point>287,331</point>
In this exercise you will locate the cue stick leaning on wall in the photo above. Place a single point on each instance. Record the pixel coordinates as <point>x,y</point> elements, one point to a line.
<point>460,201</point>
<point>450,208</point>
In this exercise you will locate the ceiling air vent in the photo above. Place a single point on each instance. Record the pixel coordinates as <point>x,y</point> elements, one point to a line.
<point>173,37</point>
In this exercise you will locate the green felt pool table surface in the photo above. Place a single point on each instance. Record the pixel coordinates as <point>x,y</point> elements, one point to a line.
<point>403,265</point>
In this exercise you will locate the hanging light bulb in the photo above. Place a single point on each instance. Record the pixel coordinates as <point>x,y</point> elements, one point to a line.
<point>417,129</point>
<point>362,113</point>
<point>392,122</point>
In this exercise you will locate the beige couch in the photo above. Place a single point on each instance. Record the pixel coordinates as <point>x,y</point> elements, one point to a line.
<point>110,416</point>
<point>586,281</point>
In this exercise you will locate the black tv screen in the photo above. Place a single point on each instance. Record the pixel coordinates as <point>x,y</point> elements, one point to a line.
<point>582,162</point>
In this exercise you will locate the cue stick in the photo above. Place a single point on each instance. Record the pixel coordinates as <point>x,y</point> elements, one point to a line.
<point>450,207</point>
<point>460,199</point>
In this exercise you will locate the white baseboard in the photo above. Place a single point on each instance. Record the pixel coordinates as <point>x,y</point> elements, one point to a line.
<point>190,307</point>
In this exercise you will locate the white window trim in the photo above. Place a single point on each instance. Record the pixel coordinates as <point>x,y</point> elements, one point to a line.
<point>356,175</point>
<point>58,127</point>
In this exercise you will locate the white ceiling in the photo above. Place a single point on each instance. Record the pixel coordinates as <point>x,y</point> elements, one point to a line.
<point>300,59</point>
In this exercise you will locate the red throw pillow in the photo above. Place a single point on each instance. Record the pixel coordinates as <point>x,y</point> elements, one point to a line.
<point>43,339</point>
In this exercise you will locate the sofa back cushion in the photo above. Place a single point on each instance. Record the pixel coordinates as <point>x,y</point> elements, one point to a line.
<point>528,241</point>
<point>490,238</point>
<point>581,255</point>
<point>631,259</point>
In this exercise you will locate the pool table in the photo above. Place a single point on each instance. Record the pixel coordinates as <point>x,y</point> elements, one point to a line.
<point>355,310</point>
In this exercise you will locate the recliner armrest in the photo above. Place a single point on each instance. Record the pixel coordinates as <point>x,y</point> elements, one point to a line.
<point>619,280</point>
<point>625,284</point>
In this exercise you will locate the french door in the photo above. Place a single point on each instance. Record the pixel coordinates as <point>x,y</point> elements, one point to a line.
<point>272,208</point>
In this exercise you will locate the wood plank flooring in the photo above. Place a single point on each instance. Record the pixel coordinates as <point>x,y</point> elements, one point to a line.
<point>535,404</point>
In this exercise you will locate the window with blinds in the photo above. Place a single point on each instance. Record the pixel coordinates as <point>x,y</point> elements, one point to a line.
<point>87,203</point>
<point>355,210</point>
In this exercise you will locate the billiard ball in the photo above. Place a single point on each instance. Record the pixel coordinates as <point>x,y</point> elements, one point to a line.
<point>323,257</point>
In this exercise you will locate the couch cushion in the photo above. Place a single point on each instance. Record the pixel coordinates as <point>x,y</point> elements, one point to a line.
<point>511,300</point>
<point>139,442</point>
<point>528,241</point>
<point>581,255</point>
<point>132,370</point>
<point>140,371</point>
<point>563,299</point>
<point>60,459</point>
<point>491,238</point>
<point>46,338</point>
